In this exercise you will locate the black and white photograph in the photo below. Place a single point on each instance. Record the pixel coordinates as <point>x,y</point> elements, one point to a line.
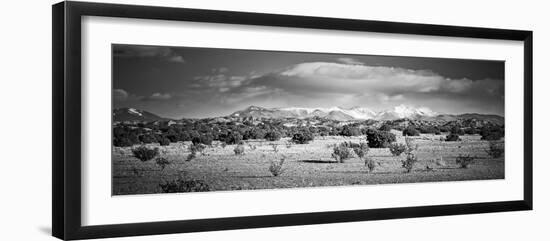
<point>190,119</point>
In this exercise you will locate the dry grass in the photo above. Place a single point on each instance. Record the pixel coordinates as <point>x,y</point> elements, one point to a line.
<point>307,165</point>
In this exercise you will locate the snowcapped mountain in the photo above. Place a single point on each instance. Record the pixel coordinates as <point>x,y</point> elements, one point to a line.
<point>403,111</point>
<point>337,113</point>
<point>132,114</point>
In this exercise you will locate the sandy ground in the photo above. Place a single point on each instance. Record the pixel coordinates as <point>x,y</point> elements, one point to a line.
<point>309,165</point>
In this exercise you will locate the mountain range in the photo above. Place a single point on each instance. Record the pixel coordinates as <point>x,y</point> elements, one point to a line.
<point>337,113</point>
<point>332,113</point>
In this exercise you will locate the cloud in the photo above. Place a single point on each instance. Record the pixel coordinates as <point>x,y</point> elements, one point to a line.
<point>164,53</point>
<point>362,79</point>
<point>120,95</point>
<point>329,84</point>
<point>221,81</point>
<point>350,61</point>
<point>158,97</point>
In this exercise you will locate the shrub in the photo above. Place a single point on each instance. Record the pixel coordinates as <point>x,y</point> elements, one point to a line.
<point>495,149</point>
<point>205,139</point>
<point>275,147</point>
<point>492,133</point>
<point>194,148</point>
<point>162,162</point>
<point>410,131</point>
<point>369,163</point>
<point>233,138</point>
<point>273,136</point>
<point>122,142</point>
<point>361,150</point>
<point>385,127</point>
<point>239,150</point>
<point>163,141</point>
<point>470,131</point>
<point>145,154</point>
<point>350,131</point>
<point>341,152</point>
<point>464,161</point>
<point>457,130</point>
<point>379,139</point>
<point>453,137</point>
<point>276,168</point>
<point>148,138</point>
<point>303,137</point>
<point>252,147</point>
<point>411,158</point>
<point>224,145</point>
<point>181,185</point>
<point>397,148</point>
<point>429,129</point>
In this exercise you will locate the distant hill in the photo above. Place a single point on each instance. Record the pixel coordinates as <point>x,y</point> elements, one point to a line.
<point>359,113</point>
<point>132,114</point>
<point>398,113</point>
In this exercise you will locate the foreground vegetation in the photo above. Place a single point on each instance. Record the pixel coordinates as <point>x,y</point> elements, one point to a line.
<point>306,159</point>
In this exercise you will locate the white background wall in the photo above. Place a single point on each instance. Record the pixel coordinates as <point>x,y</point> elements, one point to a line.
<point>25,107</point>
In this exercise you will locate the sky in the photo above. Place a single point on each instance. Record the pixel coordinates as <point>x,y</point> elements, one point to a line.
<point>189,82</point>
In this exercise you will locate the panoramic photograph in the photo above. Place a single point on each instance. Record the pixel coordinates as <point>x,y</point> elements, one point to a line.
<point>189,119</point>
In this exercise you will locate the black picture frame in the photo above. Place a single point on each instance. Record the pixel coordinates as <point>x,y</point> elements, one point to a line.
<point>66,127</point>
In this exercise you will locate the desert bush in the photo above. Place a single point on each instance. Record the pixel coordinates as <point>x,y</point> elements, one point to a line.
<point>276,167</point>
<point>379,139</point>
<point>273,135</point>
<point>303,137</point>
<point>341,152</point>
<point>464,160</point>
<point>205,139</point>
<point>410,131</point>
<point>369,163</point>
<point>164,141</point>
<point>397,148</point>
<point>145,154</point>
<point>350,131</point>
<point>181,185</point>
<point>199,147</point>
<point>148,138</point>
<point>162,162</point>
<point>410,159</point>
<point>453,137</point>
<point>495,149</point>
<point>275,147</point>
<point>361,150</point>
<point>457,130</point>
<point>470,131</point>
<point>122,142</point>
<point>233,138</point>
<point>429,130</point>
<point>492,133</point>
<point>239,150</point>
<point>385,127</point>
<point>194,149</point>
